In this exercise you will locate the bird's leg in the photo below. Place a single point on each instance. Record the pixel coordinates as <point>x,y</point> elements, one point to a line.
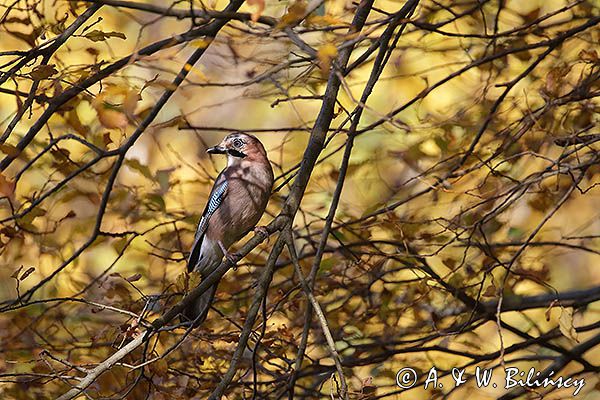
<point>263,231</point>
<point>231,257</point>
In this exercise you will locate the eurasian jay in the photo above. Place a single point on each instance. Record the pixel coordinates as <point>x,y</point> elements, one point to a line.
<point>236,203</point>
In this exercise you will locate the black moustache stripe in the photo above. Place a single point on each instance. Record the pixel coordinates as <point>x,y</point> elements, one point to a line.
<point>236,153</point>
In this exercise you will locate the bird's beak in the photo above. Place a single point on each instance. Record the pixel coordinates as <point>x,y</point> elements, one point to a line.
<point>216,150</point>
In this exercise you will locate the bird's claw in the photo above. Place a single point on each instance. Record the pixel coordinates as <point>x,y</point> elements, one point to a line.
<point>232,258</point>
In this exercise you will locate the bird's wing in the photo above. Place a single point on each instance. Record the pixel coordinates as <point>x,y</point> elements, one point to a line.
<point>215,199</point>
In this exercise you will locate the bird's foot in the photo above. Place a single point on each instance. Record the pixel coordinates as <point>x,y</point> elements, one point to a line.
<point>231,257</point>
<point>263,231</point>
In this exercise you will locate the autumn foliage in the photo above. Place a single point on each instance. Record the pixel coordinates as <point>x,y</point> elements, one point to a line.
<point>436,198</point>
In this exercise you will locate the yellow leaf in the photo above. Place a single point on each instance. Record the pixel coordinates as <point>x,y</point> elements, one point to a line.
<point>194,279</point>
<point>181,282</point>
<point>325,55</point>
<point>110,118</point>
<point>565,323</point>
<point>130,102</point>
<point>295,14</point>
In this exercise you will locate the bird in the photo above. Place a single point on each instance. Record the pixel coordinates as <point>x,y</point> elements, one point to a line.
<point>235,205</point>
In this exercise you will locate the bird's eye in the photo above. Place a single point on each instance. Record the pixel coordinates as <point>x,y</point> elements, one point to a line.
<point>237,143</point>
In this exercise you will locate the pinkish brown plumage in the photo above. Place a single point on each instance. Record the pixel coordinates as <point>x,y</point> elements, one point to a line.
<point>236,203</point>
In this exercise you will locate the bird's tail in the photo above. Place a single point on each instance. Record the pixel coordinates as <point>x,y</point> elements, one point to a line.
<point>196,312</point>
<point>205,257</point>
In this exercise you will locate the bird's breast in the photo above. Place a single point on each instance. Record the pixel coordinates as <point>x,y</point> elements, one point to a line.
<point>244,204</point>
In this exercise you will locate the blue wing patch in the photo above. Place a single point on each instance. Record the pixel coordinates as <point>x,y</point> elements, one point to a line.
<point>216,198</point>
<point>214,201</point>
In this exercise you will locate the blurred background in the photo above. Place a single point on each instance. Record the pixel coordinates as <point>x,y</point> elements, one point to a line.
<point>465,174</point>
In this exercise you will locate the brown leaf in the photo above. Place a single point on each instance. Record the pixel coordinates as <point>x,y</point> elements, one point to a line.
<point>7,188</point>
<point>489,292</point>
<point>589,56</point>
<point>106,139</point>
<point>293,16</point>
<point>549,309</point>
<point>160,367</point>
<point>134,277</point>
<point>43,71</point>
<point>99,36</point>
<point>9,150</point>
<point>27,273</point>
<point>368,389</point>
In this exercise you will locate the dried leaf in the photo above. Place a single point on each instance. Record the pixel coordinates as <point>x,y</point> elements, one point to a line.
<point>549,309</point>
<point>134,277</point>
<point>565,324</point>
<point>555,80</point>
<point>27,273</point>
<point>99,36</point>
<point>589,56</point>
<point>9,150</point>
<point>368,388</point>
<point>181,282</point>
<point>106,139</point>
<point>160,367</point>
<point>7,188</point>
<point>43,71</point>
<point>489,292</point>
<point>293,16</point>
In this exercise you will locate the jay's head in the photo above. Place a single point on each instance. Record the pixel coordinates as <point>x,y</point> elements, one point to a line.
<point>239,146</point>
